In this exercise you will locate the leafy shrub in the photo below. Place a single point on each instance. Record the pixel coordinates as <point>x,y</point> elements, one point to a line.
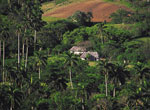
<point>119,16</point>
<point>74,37</point>
<point>116,34</point>
<point>60,1</point>
<point>52,33</point>
<point>81,18</point>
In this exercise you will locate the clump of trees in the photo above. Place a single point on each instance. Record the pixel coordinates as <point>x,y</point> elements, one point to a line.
<point>82,18</point>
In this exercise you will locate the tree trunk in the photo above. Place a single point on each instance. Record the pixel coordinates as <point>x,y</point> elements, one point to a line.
<point>35,39</point>
<point>106,85</point>
<point>27,48</point>
<point>82,104</point>
<point>11,108</point>
<point>3,60</point>
<point>18,48</point>
<point>102,40</point>
<point>11,105</point>
<point>23,47</point>
<point>39,72</point>
<point>23,51</point>
<point>31,79</point>
<point>0,51</point>
<point>9,3</point>
<point>114,92</point>
<point>70,78</point>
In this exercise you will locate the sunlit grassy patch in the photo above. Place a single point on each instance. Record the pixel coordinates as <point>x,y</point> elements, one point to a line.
<point>120,2</point>
<point>144,39</point>
<point>47,6</point>
<point>123,26</point>
<point>92,63</point>
<point>50,19</point>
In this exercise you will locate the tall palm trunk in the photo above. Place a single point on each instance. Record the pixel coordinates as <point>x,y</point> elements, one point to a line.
<point>3,60</point>
<point>11,105</point>
<point>35,36</point>
<point>114,92</point>
<point>102,39</point>
<point>0,51</point>
<point>106,88</point>
<point>8,1</point>
<point>18,48</point>
<point>23,48</point>
<point>39,72</point>
<point>82,104</point>
<point>27,48</point>
<point>70,78</point>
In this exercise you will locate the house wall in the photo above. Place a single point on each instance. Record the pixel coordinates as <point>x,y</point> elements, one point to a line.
<point>78,53</point>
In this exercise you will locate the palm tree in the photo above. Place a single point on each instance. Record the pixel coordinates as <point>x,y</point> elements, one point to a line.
<point>103,66</point>
<point>40,61</point>
<point>139,99</point>
<point>11,97</point>
<point>118,75</point>
<point>4,33</point>
<point>18,32</point>
<point>101,32</point>
<point>28,35</point>
<point>70,61</point>
<point>35,18</point>
<point>143,72</point>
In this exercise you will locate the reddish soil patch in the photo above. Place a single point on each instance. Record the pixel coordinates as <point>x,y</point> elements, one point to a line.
<point>100,10</point>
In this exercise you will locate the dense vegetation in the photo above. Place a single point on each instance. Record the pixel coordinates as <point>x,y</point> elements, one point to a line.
<point>56,1</point>
<point>37,71</point>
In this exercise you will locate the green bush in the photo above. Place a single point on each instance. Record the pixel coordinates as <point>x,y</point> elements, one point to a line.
<point>60,1</point>
<point>74,37</point>
<point>119,16</point>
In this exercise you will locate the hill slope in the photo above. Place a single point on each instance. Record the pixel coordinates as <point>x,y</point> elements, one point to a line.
<point>101,10</point>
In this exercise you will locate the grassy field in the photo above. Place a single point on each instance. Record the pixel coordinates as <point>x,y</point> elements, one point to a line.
<point>120,2</point>
<point>50,19</point>
<point>122,26</point>
<point>144,39</point>
<point>49,6</point>
<point>92,63</point>
<point>53,7</point>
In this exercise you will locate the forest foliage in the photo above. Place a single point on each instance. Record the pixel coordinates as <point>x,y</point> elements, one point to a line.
<point>38,72</point>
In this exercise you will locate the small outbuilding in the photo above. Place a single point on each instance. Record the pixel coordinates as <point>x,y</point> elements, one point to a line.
<point>92,56</point>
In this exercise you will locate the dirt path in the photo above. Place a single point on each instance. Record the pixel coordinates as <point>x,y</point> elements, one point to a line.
<point>101,10</point>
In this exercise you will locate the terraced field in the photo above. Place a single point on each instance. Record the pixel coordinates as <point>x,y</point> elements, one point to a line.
<point>101,10</point>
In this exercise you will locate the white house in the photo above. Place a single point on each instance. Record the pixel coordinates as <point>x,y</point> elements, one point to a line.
<point>93,56</point>
<point>78,50</point>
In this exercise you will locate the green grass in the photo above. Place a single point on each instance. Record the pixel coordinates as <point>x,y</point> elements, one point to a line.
<point>61,1</point>
<point>128,27</point>
<point>53,5</point>
<point>50,6</point>
<point>50,19</point>
<point>124,26</point>
<point>92,63</point>
<point>47,6</point>
<point>144,39</point>
<point>121,2</point>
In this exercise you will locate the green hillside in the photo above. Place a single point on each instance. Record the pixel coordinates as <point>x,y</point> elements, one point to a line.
<point>73,63</point>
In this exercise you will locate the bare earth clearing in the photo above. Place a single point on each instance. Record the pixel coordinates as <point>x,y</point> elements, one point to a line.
<point>101,10</point>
